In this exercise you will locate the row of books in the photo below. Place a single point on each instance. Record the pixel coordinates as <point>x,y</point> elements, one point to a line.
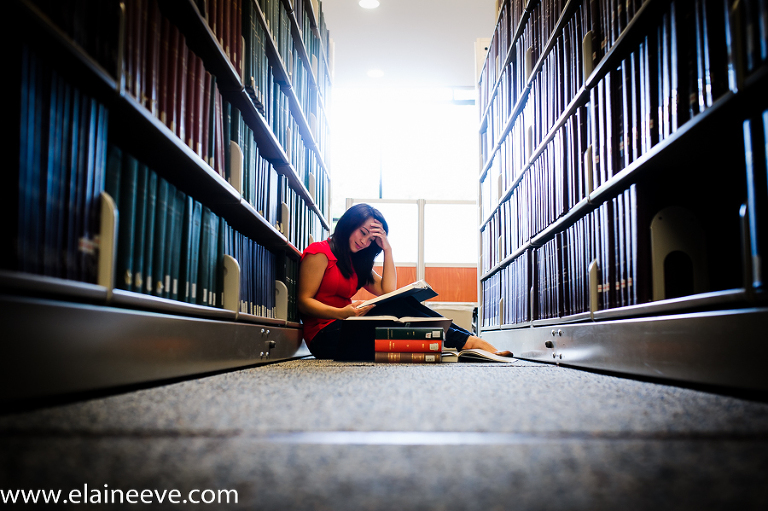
<point>90,25</point>
<point>516,75</point>
<point>171,81</point>
<point>224,19</point>
<point>209,120</point>
<point>506,297</point>
<point>609,237</point>
<point>408,344</point>
<point>62,156</point>
<point>510,15</point>
<point>288,273</point>
<point>554,183</point>
<point>678,70</point>
<point>259,74</point>
<point>316,23</point>
<point>171,246</point>
<point>508,229</point>
<point>630,110</point>
<point>259,179</point>
<point>258,272</point>
<point>317,46</point>
<point>302,226</point>
<point>560,269</point>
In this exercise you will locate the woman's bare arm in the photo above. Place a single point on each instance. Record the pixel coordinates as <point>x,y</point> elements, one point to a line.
<point>311,274</point>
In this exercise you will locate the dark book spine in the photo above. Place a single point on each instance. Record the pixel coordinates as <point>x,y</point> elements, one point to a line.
<point>124,272</point>
<point>149,233</point>
<point>407,358</point>
<point>757,198</point>
<point>140,227</point>
<point>408,333</point>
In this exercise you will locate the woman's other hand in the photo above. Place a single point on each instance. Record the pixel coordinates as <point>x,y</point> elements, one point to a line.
<point>352,310</point>
<point>380,235</point>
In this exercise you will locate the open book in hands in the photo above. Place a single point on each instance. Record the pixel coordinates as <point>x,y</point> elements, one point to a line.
<point>419,290</point>
<point>476,355</point>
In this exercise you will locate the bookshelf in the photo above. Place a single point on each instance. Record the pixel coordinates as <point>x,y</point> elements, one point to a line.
<point>622,186</point>
<point>234,175</point>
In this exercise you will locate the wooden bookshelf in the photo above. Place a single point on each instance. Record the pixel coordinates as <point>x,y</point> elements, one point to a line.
<point>113,337</point>
<point>567,268</point>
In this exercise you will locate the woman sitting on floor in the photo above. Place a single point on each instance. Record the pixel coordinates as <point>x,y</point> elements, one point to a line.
<point>332,271</point>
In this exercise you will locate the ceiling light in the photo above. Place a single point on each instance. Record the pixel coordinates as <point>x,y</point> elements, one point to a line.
<point>375,73</point>
<point>369,4</point>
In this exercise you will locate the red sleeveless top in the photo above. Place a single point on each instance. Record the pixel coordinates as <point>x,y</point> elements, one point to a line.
<point>335,290</point>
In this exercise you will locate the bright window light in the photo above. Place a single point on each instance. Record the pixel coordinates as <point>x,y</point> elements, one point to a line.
<point>375,73</point>
<point>369,4</point>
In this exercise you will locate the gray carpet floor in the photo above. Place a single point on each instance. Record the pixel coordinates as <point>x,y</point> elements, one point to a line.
<point>318,435</point>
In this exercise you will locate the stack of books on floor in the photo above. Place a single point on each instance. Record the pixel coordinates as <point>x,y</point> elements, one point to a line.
<point>424,345</point>
<point>409,345</point>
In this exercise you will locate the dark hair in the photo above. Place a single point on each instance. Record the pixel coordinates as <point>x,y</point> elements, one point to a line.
<point>361,262</point>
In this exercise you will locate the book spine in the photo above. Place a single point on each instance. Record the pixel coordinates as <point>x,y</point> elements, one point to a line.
<point>408,345</point>
<point>409,333</point>
<point>408,358</point>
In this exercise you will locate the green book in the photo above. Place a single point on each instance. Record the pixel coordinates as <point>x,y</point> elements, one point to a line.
<point>124,272</point>
<point>194,242</point>
<point>158,258</point>
<point>213,287</point>
<point>170,233</point>
<point>112,179</point>
<point>149,233</point>
<point>176,252</point>
<point>185,257</point>
<point>142,180</point>
<point>408,333</point>
<point>223,249</point>
<point>203,271</point>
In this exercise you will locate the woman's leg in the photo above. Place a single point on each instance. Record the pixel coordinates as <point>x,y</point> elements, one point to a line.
<point>325,344</point>
<point>455,337</point>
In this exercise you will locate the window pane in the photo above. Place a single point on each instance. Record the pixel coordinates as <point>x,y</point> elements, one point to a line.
<point>450,233</point>
<point>403,221</point>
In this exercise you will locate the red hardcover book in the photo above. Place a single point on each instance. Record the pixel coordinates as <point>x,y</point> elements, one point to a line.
<point>181,81</point>
<point>152,57</point>
<point>237,39</point>
<point>141,50</point>
<point>409,345</point>
<point>221,22</point>
<point>130,45</point>
<point>408,358</point>
<point>205,116</point>
<point>219,135</point>
<point>197,114</point>
<point>190,121</point>
<point>210,15</point>
<point>166,73</point>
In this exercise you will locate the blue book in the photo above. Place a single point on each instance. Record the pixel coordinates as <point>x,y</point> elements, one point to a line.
<point>149,233</point>
<point>124,271</point>
<point>203,271</point>
<point>158,257</point>
<point>140,227</point>
<point>176,252</point>
<point>194,242</point>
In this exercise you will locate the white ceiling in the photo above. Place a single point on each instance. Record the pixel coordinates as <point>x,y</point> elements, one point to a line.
<point>416,43</point>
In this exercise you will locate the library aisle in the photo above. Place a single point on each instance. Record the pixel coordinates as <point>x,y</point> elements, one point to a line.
<point>309,434</point>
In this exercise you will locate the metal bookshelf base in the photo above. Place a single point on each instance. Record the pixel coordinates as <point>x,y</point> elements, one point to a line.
<point>52,347</point>
<point>718,348</point>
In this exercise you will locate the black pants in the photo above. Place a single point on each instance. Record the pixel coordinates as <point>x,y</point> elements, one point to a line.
<point>328,342</point>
